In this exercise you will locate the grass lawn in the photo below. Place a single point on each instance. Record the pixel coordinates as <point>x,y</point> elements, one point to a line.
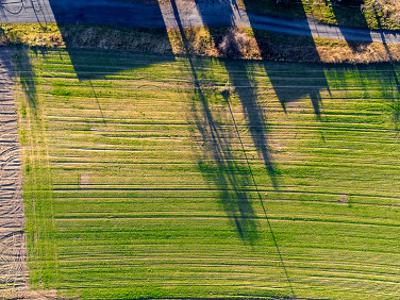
<point>154,176</point>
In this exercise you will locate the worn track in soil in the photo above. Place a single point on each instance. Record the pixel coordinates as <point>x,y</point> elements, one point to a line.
<point>13,271</point>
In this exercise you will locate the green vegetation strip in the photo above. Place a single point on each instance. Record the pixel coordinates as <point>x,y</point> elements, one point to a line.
<point>153,176</point>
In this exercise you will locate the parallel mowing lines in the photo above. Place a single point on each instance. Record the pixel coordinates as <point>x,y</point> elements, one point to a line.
<point>133,204</point>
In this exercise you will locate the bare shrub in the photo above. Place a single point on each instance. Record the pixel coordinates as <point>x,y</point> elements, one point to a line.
<point>390,9</point>
<point>239,43</point>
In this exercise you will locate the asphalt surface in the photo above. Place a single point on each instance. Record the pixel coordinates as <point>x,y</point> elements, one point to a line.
<point>150,14</point>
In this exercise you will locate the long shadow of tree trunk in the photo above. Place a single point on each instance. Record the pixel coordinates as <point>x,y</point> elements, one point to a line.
<point>246,90</point>
<point>290,87</point>
<point>395,104</point>
<point>245,87</point>
<point>219,162</point>
<point>243,83</point>
<point>91,24</point>
<point>23,70</point>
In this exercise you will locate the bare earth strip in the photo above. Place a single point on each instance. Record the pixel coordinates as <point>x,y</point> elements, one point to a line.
<point>13,270</point>
<point>13,251</point>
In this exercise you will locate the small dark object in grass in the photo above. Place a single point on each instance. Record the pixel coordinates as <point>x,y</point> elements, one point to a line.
<point>344,199</point>
<point>227,91</point>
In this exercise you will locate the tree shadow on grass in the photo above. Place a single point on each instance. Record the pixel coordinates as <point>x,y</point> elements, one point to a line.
<point>219,163</point>
<point>108,25</point>
<point>92,64</point>
<point>242,81</point>
<point>395,104</point>
<point>25,73</point>
<point>292,86</point>
<point>245,87</point>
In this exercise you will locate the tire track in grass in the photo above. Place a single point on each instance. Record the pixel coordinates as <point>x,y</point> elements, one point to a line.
<point>13,270</point>
<point>155,220</point>
<point>14,275</point>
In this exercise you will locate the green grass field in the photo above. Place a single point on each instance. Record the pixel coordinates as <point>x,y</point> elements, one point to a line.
<point>159,177</point>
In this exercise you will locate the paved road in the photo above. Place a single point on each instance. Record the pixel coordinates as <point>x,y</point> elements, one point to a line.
<point>149,14</point>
